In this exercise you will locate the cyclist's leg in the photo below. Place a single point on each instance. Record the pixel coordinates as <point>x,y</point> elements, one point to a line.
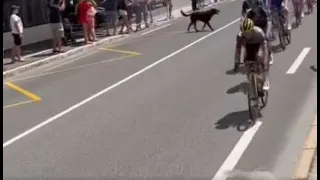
<point>263,74</point>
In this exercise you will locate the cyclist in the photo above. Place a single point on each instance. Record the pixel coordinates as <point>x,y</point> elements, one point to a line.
<point>256,11</point>
<point>276,6</point>
<point>254,40</point>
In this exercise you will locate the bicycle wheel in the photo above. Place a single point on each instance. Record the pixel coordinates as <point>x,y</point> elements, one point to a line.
<point>253,99</point>
<point>310,6</point>
<point>282,36</point>
<point>288,37</point>
<point>297,13</point>
<point>264,98</point>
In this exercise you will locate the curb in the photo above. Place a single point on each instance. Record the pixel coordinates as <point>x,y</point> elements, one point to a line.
<point>306,159</point>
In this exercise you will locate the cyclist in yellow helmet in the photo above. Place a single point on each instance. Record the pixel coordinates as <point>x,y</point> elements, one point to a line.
<point>254,39</point>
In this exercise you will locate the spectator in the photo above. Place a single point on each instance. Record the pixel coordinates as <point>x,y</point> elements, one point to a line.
<point>141,9</point>
<point>91,21</point>
<point>17,33</point>
<point>194,5</point>
<point>83,9</point>
<point>169,8</point>
<point>55,20</point>
<point>130,9</point>
<point>122,6</point>
<point>111,7</point>
<point>149,6</point>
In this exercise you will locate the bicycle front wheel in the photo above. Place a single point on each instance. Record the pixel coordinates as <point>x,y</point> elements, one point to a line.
<point>253,99</point>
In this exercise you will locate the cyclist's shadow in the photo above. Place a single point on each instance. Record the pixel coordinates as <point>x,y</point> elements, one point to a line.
<point>242,87</point>
<point>239,120</point>
<point>241,70</point>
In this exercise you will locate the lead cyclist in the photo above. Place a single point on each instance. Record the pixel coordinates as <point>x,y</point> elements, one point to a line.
<point>257,11</point>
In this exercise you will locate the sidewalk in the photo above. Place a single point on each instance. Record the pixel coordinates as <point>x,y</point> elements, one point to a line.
<point>40,53</point>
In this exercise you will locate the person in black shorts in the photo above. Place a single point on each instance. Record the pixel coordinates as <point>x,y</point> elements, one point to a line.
<point>17,33</point>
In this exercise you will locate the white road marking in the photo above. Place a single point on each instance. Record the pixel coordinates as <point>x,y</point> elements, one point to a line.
<point>16,138</point>
<point>155,29</point>
<point>236,153</point>
<point>298,61</point>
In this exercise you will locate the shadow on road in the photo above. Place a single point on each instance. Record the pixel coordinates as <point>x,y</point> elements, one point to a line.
<point>242,87</point>
<point>313,68</point>
<point>239,120</point>
<point>241,70</point>
<point>276,48</point>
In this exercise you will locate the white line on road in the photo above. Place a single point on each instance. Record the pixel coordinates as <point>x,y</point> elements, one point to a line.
<point>155,29</point>
<point>236,153</point>
<point>298,61</point>
<point>16,138</point>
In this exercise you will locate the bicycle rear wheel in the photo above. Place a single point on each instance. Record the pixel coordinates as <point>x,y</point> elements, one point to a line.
<point>264,98</point>
<point>253,99</point>
<point>297,12</point>
<point>282,36</point>
<point>310,6</point>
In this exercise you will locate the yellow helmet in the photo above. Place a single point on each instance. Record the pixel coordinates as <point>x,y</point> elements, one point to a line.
<point>247,25</point>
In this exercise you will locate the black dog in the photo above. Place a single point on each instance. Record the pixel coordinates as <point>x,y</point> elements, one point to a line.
<point>204,16</point>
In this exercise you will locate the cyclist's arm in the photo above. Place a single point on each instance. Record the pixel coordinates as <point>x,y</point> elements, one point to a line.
<point>265,54</point>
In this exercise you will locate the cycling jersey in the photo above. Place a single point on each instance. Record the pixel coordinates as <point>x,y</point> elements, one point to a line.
<point>257,37</point>
<point>276,4</point>
<point>253,44</point>
<point>259,17</point>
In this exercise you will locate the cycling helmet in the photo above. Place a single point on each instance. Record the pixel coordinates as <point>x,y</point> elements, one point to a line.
<point>247,25</point>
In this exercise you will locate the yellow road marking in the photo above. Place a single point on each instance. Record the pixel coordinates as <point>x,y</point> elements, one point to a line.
<point>17,104</point>
<point>121,51</point>
<point>28,94</point>
<point>70,69</point>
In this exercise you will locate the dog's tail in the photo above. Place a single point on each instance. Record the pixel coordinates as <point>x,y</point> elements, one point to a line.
<point>184,14</point>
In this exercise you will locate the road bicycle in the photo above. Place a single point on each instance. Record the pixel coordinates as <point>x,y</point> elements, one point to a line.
<point>257,97</point>
<point>298,7</point>
<point>280,21</point>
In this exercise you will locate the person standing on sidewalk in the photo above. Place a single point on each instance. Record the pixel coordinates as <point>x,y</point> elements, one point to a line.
<point>55,20</point>
<point>111,7</point>
<point>169,8</point>
<point>83,9</point>
<point>150,6</point>
<point>122,8</point>
<point>194,5</point>
<point>141,10</point>
<point>17,33</point>
<point>91,21</point>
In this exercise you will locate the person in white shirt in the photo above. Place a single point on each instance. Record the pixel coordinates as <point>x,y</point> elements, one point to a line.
<point>17,32</point>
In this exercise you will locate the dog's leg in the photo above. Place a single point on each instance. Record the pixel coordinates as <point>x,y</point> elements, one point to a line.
<point>204,25</point>
<point>195,26</point>
<point>210,26</point>
<point>190,26</point>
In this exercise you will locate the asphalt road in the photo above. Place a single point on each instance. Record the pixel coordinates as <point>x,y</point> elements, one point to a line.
<point>170,110</point>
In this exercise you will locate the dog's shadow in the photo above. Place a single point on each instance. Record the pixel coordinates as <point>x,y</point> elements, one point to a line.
<point>200,31</point>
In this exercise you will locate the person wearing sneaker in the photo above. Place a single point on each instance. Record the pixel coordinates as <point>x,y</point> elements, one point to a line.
<point>254,40</point>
